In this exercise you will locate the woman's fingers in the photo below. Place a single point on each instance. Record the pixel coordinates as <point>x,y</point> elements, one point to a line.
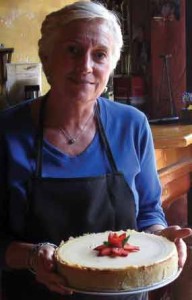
<point>59,288</point>
<point>182,252</point>
<point>175,232</point>
<point>53,282</point>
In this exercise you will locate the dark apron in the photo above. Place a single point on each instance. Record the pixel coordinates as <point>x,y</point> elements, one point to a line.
<point>64,207</point>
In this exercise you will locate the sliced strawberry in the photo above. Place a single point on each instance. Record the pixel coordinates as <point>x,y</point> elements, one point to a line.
<point>100,247</point>
<point>122,236</point>
<point>105,251</point>
<point>112,237</point>
<point>131,248</point>
<point>115,240</point>
<point>116,245</point>
<point>118,252</point>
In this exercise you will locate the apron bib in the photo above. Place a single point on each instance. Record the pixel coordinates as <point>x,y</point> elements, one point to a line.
<point>63,207</point>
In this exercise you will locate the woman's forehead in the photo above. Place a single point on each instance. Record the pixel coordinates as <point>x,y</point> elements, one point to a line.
<point>86,31</point>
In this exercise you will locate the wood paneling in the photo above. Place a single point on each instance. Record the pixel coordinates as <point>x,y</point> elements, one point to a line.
<point>173,148</point>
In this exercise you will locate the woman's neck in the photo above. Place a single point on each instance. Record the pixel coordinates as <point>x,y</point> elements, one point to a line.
<point>64,112</point>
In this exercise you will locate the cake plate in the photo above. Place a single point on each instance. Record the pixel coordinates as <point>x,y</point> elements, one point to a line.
<point>132,291</point>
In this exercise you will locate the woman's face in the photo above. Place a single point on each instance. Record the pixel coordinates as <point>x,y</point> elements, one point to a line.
<point>80,63</point>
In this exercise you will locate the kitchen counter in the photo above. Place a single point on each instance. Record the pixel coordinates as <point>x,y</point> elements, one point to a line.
<point>172,136</point>
<point>173,149</point>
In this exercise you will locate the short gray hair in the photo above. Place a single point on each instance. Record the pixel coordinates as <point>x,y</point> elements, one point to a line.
<point>80,10</point>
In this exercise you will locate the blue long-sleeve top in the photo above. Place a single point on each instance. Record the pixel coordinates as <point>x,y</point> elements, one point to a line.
<point>131,142</point>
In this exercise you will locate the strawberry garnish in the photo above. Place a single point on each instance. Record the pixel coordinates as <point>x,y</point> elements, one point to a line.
<point>119,252</point>
<point>131,248</point>
<point>100,247</point>
<point>105,251</point>
<point>116,240</point>
<point>117,245</point>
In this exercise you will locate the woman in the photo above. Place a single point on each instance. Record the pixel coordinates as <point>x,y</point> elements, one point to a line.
<point>66,156</point>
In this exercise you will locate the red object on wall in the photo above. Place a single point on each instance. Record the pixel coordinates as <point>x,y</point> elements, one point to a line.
<point>137,86</point>
<point>121,87</point>
<point>137,97</point>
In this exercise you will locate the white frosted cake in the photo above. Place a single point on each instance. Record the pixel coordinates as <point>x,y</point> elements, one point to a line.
<point>153,259</point>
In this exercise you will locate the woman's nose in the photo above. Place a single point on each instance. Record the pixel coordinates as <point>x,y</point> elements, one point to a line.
<point>85,63</point>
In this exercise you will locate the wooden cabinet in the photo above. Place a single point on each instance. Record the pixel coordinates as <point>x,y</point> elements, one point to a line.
<point>173,149</point>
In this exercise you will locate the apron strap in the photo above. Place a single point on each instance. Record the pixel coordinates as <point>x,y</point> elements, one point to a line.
<point>105,141</point>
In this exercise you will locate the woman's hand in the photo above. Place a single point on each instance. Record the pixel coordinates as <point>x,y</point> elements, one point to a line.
<point>177,234</point>
<point>45,268</point>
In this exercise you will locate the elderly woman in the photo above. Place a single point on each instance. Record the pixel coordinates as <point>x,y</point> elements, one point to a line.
<point>72,162</point>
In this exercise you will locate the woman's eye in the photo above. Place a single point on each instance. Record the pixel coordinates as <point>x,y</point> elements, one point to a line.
<point>73,49</point>
<point>100,55</point>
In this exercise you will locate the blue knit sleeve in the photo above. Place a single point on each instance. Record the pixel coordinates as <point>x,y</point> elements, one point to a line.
<point>147,182</point>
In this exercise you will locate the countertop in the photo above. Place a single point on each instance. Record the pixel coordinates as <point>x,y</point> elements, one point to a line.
<point>171,136</point>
